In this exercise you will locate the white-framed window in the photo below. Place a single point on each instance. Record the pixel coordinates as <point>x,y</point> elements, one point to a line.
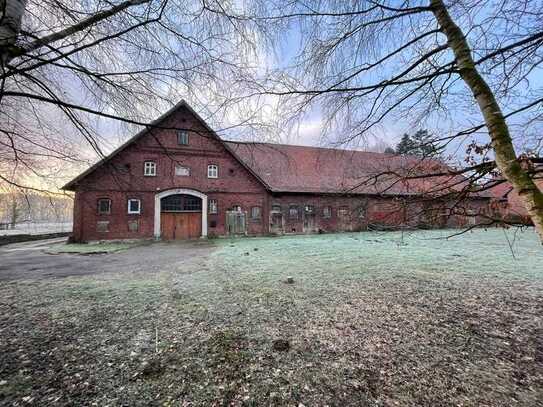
<point>213,171</point>
<point>182,171</point>
<point>183,137</point>
<point>256,212</point>
<point>149,169</point>
<point>213,206</point>
<point>134,206</point>
<point>104,206</point>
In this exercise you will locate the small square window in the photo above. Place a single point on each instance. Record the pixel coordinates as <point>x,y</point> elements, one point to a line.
<point>256,212</point>
<point>182,171</point>
<point>183,137</point>
<point>212,171</point>
<point>327,212</point>
<point>102,226</point>
<point>213,206</point>
<point>293,212</point>
<point>149,169</point>
<point>134,206</point>
<point>104,206</point>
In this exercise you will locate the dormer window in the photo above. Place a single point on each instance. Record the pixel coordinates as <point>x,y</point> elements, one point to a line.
<point>149,169</point>
<point>183,137</point>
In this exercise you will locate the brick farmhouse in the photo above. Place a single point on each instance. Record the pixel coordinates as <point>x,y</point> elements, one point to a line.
<point>178,179</point>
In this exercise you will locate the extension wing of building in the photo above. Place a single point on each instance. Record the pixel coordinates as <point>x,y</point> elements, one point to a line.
<point>178,179</point>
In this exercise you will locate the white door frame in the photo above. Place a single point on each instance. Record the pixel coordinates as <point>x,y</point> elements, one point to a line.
<point>183,191</point>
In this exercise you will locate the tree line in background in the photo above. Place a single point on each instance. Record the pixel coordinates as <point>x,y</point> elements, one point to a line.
<point>421,144</point>
<point>30,207</point>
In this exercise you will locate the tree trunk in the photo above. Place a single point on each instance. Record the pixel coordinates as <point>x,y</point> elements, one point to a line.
<point>505,156</point>
<point>10,26</point>
<point>11,15</point>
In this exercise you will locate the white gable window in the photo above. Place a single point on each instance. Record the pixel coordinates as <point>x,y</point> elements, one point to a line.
<point>182,171</point>
<point>183,138</point>
<point>212,171</point>
<point>134,206</point>
<point>149,169</point>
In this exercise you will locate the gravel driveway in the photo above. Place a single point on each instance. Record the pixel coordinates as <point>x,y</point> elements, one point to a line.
<point>24,261</point>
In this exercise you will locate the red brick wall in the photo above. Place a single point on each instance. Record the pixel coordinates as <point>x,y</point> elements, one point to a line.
<point>361,212</point>
<point>118,182</point>
<point>122,179</point>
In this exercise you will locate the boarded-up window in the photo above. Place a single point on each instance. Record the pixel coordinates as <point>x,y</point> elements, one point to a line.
<point>102,226</point>
<point>104,206</point>
<point>133,225</point>
<point>256,212</point>
<point>293,212</point>
<point>327,212</point>
<point>182,171</point>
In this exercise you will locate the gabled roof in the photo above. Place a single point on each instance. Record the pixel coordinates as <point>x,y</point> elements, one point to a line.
<point>282,168</point>
<point>290,169</point>
<point>70,186</point>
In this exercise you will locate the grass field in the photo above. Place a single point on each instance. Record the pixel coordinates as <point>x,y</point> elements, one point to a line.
<point>371,319</point>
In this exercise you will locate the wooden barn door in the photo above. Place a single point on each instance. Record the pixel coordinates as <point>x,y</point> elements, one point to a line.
<point>180,217</point>
<point>309,223</point>
<point>179,226</point>
<point>236,222</point>
<point>276,225</point>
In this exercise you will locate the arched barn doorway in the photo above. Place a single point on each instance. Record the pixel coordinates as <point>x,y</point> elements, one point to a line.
<point>180,214</point>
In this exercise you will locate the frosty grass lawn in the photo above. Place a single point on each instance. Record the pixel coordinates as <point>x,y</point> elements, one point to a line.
<point>371,319</point>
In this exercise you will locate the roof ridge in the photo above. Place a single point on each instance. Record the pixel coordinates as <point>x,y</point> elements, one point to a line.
<point>302,146</point>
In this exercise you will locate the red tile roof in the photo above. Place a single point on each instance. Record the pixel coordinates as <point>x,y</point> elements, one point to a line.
<point>288,168</point>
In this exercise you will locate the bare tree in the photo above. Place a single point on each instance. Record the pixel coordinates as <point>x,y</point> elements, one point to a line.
<point>72,68</point>
<point>366,63</point>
